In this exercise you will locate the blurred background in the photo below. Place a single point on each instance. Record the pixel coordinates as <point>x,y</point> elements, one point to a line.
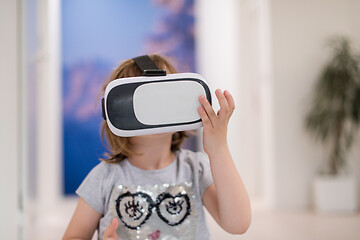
<point>270,54</point>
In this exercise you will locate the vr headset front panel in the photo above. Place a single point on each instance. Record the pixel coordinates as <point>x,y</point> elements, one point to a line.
<point>156,105</point>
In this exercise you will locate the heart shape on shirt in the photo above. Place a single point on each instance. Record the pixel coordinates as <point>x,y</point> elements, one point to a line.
<point>134,209</point>
<point>173,210</point>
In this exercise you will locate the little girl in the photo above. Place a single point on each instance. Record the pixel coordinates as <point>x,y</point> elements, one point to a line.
<point>149,188</point>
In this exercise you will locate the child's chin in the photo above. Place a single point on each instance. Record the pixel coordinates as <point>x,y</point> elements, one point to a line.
<point>156,135</point>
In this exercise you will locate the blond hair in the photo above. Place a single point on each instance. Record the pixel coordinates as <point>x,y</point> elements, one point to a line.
<point>119,148</point>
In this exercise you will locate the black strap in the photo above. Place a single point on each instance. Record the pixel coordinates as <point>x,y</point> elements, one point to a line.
<point>103,108</point>
<point>148,67</point>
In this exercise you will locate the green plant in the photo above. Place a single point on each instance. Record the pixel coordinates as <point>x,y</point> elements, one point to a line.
<point>334,114</point>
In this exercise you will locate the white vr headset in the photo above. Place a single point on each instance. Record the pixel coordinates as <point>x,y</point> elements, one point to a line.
<point>155,102</point>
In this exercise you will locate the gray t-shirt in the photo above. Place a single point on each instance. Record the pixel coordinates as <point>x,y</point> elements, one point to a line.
<point>151,204</point>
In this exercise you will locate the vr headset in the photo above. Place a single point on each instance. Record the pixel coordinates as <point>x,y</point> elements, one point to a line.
<point>155,102</point>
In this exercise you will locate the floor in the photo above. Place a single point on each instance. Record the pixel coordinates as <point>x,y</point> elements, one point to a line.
<point>296,225</point>
<point>266,224</point>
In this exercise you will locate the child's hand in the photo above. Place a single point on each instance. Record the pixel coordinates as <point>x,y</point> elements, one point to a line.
<point>110,231</point>
<point>215,125</point>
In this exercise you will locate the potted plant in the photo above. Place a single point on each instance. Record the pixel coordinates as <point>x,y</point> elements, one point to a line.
<point>333,119</point>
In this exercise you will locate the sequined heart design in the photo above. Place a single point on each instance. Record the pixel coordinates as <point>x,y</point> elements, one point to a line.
<point>134,209</point>
<point>173,210</point>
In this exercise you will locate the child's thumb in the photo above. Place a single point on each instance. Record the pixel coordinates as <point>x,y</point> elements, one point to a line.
<point>110,231</point>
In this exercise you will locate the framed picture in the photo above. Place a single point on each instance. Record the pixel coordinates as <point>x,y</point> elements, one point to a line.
<point>96,37</point>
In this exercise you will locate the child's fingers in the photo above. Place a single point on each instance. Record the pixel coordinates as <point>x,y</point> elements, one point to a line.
<point>208,109</point>
<point>204,117</point>
<point>110,231</point>
<point>230,100</point>
<point>224,107</point>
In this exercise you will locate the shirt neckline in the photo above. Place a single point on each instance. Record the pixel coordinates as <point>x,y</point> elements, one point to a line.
<point>160,170</point>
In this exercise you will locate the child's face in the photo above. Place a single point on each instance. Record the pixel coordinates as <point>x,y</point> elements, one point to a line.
<point>153,137</point>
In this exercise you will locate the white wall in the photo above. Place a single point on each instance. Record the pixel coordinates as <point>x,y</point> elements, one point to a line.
<point>9,125</point>
<point>269,53</point>
<point>234,52</point>
<point>299,31</point>
<point>219,60</point>
<point>233,44</point>
<point>49,106</point>
<point>46,208</point>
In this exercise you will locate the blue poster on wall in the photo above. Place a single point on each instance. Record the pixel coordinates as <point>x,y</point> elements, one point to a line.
<point>96,36</point>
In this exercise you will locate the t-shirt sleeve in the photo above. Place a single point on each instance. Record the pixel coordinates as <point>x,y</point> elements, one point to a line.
<point>205,177</point>
<point>91,189</point>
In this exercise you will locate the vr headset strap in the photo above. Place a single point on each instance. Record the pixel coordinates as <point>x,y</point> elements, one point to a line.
<point>148,67</point>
